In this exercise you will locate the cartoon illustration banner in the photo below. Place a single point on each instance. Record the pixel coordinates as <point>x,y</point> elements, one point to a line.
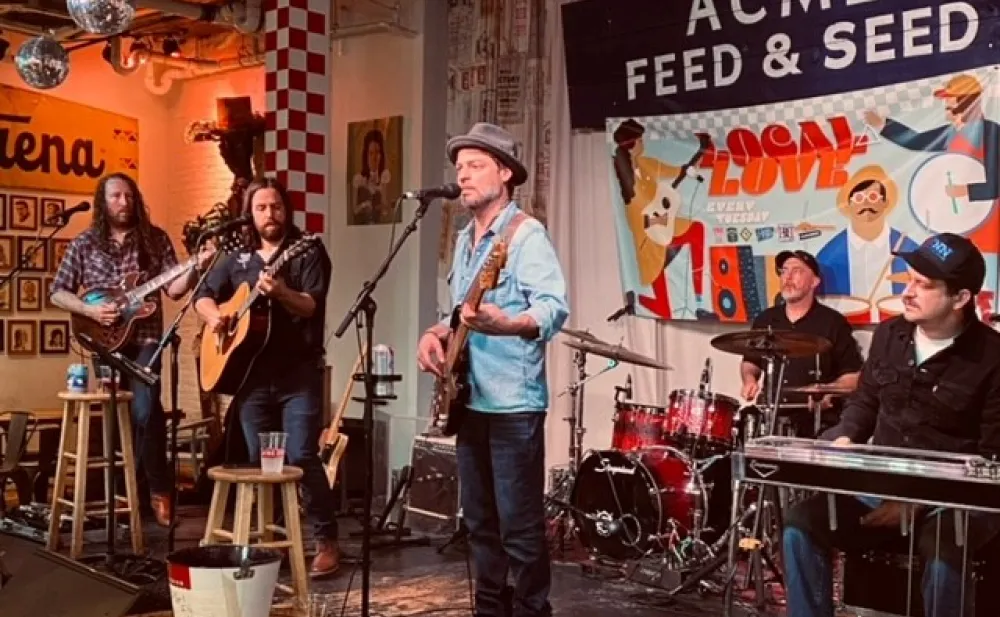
<point>59,146</point>
<point>705,201</point>
<point>654,57</point>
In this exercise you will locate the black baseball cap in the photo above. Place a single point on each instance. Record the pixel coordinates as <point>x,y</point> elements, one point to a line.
<point>806,258</point>
<point>948,257</point>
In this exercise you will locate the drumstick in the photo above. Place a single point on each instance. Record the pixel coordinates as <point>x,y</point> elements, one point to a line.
<point>888,262</point>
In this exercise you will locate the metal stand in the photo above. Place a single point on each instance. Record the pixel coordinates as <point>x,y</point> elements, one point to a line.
<point>363,313</point>
<point>25,259</point>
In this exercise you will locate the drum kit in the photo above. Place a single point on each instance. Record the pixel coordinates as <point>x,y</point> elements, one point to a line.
<point>662,490</point>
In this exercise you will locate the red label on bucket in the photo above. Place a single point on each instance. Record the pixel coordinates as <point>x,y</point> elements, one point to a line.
<point>180,576</point>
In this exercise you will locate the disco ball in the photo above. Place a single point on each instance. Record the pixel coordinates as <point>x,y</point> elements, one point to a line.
<point>102,16</point>
<point>42,62</point>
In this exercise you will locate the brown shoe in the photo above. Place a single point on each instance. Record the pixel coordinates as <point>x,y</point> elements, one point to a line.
<point>327,559</point>
<point>161,509</point>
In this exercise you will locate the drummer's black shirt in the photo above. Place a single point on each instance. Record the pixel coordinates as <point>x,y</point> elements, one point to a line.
<point>949,403</point>
<point>844,355</point>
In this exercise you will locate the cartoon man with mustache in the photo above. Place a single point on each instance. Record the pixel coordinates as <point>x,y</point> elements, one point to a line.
<point>852,261</point>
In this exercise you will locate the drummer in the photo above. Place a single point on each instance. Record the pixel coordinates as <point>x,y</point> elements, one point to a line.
<point>800,312</point>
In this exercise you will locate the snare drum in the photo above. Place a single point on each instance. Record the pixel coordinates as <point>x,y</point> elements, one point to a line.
<point>637,425</point>
<point>858,311</point>
<point>700,423</point>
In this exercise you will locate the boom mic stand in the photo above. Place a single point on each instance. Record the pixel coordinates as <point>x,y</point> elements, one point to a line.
<point>118,364</point>
<point>25,259</point>
<point>174,340</point>
<point>363,313</point>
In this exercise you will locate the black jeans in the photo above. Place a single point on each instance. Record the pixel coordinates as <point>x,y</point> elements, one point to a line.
<point>501,467</point>
<point>290,401</point>
<point>149,422</point>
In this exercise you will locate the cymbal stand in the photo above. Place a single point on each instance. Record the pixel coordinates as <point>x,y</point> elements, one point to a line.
<point>766,514</point>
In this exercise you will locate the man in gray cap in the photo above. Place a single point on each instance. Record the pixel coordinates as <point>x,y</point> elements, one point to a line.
<point>501,438</point>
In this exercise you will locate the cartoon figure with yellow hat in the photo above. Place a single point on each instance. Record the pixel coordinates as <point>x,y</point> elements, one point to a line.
<point>652,203</point>
<point>968,133</point>
<point>852,263</point>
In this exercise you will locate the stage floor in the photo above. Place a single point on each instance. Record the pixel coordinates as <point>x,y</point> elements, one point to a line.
<point>423,580</point>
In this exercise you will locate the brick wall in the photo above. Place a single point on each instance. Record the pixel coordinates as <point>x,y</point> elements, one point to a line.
<point>198,179</point>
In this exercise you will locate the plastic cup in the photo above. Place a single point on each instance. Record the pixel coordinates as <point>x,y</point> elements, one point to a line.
<point>272,452</point>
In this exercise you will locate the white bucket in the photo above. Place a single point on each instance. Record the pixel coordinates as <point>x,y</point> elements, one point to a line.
<point>223,581</point>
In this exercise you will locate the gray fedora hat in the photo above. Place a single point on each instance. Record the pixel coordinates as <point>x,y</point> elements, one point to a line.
<point>495,140</point>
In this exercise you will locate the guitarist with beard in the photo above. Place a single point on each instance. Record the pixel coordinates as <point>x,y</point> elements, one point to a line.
<point>501,438</point>
<point>121,240</point>
<point>284,388</point>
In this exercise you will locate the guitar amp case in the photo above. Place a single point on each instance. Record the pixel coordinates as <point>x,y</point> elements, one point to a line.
<point>889,569</point>
<point>433,499</point>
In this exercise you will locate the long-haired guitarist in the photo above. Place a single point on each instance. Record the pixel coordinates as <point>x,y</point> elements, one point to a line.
<point>284,385</point>
<point>122,240</point>
<point>501,440</point>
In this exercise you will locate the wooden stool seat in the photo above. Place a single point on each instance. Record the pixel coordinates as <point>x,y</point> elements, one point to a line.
<point>255,475</point>
<point>78,409</point>
<point>251,482</point>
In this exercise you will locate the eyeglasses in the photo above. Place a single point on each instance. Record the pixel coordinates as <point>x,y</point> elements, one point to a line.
<point>872,197</point>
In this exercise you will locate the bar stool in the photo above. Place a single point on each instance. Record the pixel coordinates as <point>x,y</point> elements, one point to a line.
<point>78,409</point>
<point>248,482</point>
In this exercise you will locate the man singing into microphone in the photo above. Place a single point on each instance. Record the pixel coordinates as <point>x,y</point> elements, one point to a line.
<point>121,240</point>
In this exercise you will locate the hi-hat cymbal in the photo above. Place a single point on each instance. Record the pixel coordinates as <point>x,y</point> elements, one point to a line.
<point>819,388</point>
<point>762,343</point>
<point>616,352</point>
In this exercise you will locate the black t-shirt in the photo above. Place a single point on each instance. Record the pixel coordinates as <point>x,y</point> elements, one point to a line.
<point>293,340</point>
<point>844,355</point>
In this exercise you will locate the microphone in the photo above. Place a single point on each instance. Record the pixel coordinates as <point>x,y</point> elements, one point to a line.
<point>64,216</point>
<point>224,227</point>
<point>628,309</point>
<point>447,191</point>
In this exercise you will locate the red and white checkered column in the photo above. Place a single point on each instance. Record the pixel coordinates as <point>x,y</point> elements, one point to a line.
<point>297,50</point>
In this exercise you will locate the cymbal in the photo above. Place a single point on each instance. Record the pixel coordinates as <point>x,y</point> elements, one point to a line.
<point>580,334</point>
<point>819,388</point>
<point>762,343</point>
<point>616,352</point>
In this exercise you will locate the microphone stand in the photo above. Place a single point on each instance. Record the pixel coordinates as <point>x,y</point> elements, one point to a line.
<point>363,312</point>
<point>118,364</point>
<point>25,259</point>
<point>173,339</point>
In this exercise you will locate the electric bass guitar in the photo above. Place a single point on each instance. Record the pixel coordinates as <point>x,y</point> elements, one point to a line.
<point>227,357</point>
<point>451,390</point>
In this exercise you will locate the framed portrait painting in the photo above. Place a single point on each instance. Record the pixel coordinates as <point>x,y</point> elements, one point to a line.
<point>8,253</point>
<point>54,336</point>
<point>22,337</point>
<point>39,258</point>
<point>22,212</point>
<point>374,171</point>
<point>57,249</point>
<point>51,209</point>
<point>29,293</point>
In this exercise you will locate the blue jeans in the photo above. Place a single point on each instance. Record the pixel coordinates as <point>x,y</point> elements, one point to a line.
<point>501,468</point>
<point>808,543</point>
<point>289,401</point>
<point>149,423</point>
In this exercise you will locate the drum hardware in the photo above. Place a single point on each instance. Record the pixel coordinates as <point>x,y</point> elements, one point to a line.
<point>820,388</point>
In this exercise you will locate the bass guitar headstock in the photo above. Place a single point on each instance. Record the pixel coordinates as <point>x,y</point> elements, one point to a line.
<point>489,275</point>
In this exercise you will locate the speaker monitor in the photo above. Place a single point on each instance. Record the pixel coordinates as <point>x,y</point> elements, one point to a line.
<point>432,505</point>
<point>47,584</point>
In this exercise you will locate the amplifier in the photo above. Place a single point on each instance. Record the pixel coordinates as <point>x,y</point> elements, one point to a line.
<point>890,570</point>
<point>432,501</point>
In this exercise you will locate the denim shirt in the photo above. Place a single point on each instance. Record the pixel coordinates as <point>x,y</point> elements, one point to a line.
<point>507,373</point>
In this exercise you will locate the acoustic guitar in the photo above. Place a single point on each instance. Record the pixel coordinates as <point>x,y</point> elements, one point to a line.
<point>227,357</point>
<point>451,390</point>
<point>333,443</point>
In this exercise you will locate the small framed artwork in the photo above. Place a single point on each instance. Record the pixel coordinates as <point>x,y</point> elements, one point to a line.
<point>51,209</point>
<point>39,259</point>
<point>55,336</point>
<point>57,249</point>
<point>49,281</point>
<point>23,213</point>
<point>3,211</point>
<point>29,293</point>
<point>7,253</point>
<point>22,338</point>
<point>3,336</point>
<point>6,306</point>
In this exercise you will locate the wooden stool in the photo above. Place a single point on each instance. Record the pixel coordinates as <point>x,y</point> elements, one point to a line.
<point>77,408</point>
<point>247,482</point>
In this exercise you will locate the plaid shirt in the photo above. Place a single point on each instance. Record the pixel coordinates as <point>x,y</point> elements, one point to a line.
<point>86,265</point>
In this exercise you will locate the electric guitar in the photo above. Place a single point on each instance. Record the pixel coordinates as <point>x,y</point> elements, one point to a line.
<point>333,443</point>
<point>227,357</point>
<point>451,390</point>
